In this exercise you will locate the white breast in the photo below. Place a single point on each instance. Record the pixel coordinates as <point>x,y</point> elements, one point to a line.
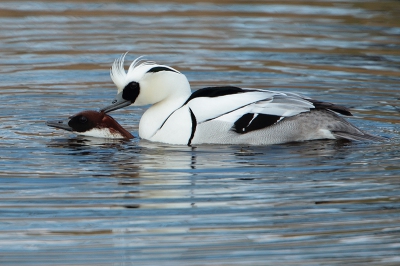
<point>177,129</point>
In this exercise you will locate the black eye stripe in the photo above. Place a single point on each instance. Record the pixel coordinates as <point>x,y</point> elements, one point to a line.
<point>158,69</point>
<point>131,91</point>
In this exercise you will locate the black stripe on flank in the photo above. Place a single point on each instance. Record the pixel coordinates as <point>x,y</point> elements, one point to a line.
<point>250,122</point>
<point>215,92</point>
<point>159,68</point>
<point>194,125</point>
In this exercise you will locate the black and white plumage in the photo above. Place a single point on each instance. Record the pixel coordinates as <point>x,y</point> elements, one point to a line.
<point>223,115</point>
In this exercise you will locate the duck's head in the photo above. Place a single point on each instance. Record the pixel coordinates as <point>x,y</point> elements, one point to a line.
<point>93,124</point>
<point>145,83</point>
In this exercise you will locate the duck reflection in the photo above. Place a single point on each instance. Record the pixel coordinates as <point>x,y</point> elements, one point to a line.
<point>154,175</point>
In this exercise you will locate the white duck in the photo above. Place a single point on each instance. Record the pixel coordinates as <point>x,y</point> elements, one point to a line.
<point>223,115</point>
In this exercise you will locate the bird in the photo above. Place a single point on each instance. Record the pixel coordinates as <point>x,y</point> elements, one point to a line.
<point>93,124</point>
<point>224,114</point>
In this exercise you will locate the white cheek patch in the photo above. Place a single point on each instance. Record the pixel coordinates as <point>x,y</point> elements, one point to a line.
<point>101,133</point>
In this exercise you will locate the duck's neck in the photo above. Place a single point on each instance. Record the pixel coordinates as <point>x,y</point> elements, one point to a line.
<point>153,119</point>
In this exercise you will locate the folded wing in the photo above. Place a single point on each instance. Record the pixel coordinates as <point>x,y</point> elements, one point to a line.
<point>248,109</point>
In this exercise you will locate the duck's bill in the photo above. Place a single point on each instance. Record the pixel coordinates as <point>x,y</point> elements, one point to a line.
<point>115,106</point>
<point>59,124</point>
<point>118,103</point>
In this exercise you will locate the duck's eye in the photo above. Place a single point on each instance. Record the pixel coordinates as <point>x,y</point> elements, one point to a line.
<point>83,119</point>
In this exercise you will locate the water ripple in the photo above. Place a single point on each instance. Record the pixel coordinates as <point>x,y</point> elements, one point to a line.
<point>78,200</point>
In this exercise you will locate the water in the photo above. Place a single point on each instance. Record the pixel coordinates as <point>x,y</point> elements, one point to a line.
<point>68,200</point>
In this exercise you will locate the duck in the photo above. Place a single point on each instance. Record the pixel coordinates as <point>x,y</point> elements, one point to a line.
<point>93,124</point>
<point>224,114</point>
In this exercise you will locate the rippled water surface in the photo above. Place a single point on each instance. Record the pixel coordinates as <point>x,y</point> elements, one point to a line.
<point>68,200</point>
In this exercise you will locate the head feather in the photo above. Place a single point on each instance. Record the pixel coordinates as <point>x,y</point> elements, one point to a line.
<point>136,71</point>
<point>135,63</point>
<point>117,72</point>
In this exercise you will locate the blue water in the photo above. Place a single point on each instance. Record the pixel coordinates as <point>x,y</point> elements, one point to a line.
<point>70,200</point>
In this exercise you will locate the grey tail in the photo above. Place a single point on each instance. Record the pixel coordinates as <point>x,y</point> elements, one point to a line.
<point>358,136</point>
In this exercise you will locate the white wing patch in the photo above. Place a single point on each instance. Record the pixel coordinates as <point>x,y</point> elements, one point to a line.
<point>231,107</point>
<point>206,108</point>
<point>285,106</point>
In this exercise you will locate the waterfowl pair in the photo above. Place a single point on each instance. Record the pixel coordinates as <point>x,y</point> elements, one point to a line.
<point>223,115</point>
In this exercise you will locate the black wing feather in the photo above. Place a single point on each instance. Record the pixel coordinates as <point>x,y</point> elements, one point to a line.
<point>330,106</point>
<point>250,122</point>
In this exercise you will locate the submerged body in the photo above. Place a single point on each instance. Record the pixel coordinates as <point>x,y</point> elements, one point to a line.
<point>223,115</point>
<point>92,124</point>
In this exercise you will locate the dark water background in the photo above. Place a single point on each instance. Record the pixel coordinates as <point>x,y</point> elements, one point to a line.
<point>68,200</point>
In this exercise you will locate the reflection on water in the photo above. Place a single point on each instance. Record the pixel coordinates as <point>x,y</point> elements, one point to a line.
<point>86,201</point>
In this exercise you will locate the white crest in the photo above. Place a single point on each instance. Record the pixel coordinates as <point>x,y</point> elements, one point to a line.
<point>135,72</point>
<point>117,72</point>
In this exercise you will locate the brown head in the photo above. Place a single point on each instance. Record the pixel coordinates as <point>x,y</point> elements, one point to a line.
<point>94,124</point>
